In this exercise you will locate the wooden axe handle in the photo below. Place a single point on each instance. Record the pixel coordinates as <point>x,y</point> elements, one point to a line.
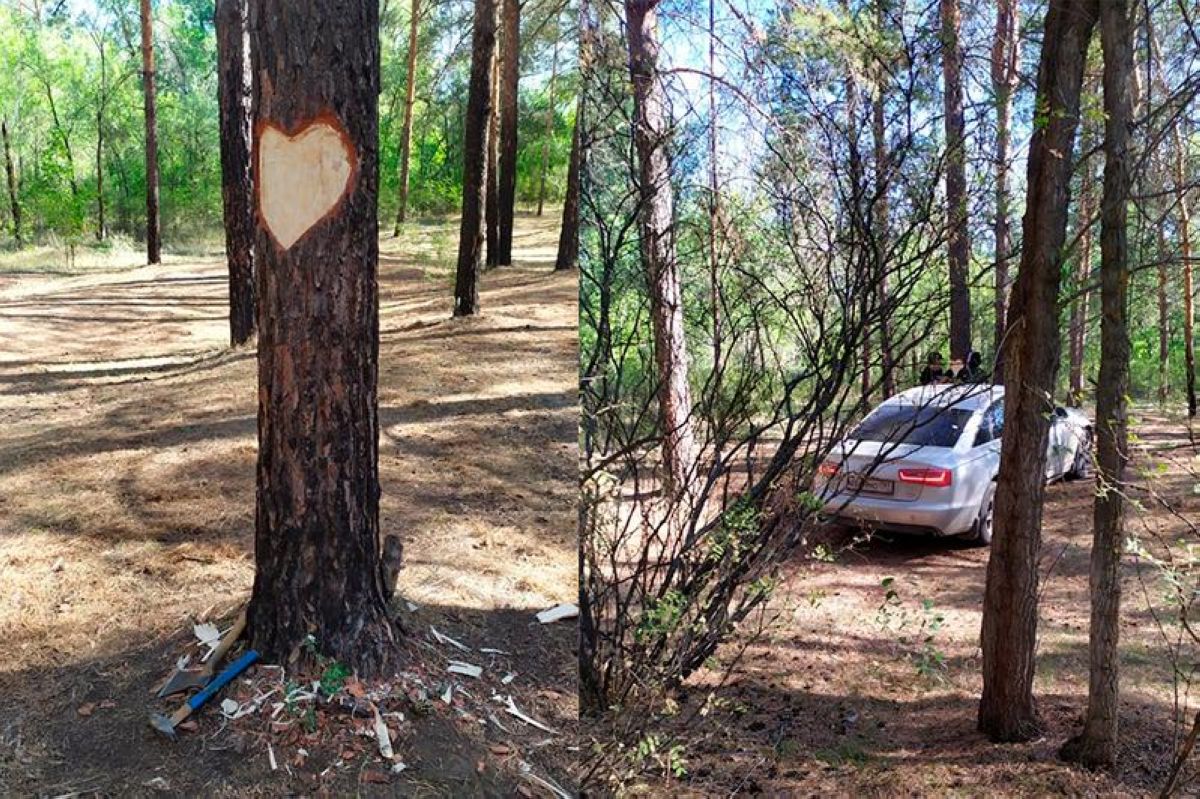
<point>225,644</point>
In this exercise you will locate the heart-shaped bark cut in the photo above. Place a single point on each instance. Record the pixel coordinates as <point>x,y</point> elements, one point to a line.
<point>302,177</point>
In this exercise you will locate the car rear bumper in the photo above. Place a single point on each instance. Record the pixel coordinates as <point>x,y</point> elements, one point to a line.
<point>910,517</point>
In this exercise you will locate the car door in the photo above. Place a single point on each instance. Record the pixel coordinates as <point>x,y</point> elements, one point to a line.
<point>1058,449</point>
<point>987,439</point>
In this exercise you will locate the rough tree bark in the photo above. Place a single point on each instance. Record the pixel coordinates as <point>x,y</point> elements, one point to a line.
<point>1005,59</point>
<point>153,244</point>
<point>1007,711</point>
<point>568,236</point>
<point>1081,302</point>
<point>316,175</point>
<point>475,146</point>
<point>410,89</point>
<point>10,174</point>
<point>959,251</point>
<point>237,187</point>
<point>1164,321</point>
<point>1096,746</point>
<point>492,175</point>
<point>510,76</point>
<point>656,222</point>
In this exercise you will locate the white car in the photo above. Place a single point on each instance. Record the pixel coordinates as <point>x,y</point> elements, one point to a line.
<point>926,461</point>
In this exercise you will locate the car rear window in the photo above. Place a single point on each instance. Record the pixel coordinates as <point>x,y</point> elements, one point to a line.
<point>924,426</point>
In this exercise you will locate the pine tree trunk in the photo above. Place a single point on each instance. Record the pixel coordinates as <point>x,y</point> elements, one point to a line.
<point>1007,711</point>
<point>1080,305</point>
<point>316,149</point>
<point>492,209</point>
<point>10,174</point>
<point>510,76</point>
<point>475,147</point>
<point>1005,59</point>
<point>882,220</point>
<point>656,221</point>
<point>1164,323</point>
<point>1189,295</point>
<point>956,181</point>
<point>410,89</point>
<point>153,245</point>
<point>1097,745</point>
<point>568,236</point>
<point>237,188</point>
<point>100,223</point>
<point>549,133</point>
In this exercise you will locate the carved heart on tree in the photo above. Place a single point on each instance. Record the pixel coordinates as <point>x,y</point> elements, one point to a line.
<point>302,177</point>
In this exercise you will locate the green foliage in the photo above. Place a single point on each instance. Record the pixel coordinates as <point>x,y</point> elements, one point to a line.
<point>61,99</point>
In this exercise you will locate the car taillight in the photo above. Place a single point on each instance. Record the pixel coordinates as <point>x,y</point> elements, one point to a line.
<point>828,469</point>
<point>939,478</point>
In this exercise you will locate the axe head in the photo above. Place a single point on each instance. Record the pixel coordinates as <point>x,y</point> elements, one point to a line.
<point>183,680</point>
<point>163,724</point>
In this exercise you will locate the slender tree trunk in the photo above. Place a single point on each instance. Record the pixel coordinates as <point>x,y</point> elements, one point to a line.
<point>492,209</point>
<point>237,187</point>
<point>10,174</point>
<point>1096,746</point>
<point>956,181</point>
<point>410,89</point>
<point>1189,291</point>
<point>1080,305</point>
<point>549,135</point>
<point>1007,711</point>
<point>475,147</point>
<point>510,76</point>
<point>316,150</point>
<point>1005,59</point>
<point>100,223</point>
<point>568,236</point>
<point>882,212</point>
<point>65,138</point>
<point>1164,323</point>
<point>714,194</point>
<point>656,219</point>
<point>101,227</point>
<point>153,245</point>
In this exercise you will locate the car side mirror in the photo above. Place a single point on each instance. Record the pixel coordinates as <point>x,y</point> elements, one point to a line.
<point>1060,412</point>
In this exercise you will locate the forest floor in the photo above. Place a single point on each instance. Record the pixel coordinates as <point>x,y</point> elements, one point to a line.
<point>127,457</point>
<point>847,692</point>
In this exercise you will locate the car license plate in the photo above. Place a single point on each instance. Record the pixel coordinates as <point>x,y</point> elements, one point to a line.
<point>868,485</point>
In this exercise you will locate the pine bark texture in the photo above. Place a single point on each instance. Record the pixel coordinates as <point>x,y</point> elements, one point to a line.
<point>656,222</point>
<point>475,146</point>
<point>956,180</point>
<point>510,76</point>
<point>492,174</point>
<point>10,176</point>
<point>1097,745</point>
<point>1005,60</point>
<point>1081,303</point>
<point>317,517</point>
<point>410,89</point>
<point>568,236</point>
<point>1007,711</point>
<point>153,227</point>
<point>237,186</point>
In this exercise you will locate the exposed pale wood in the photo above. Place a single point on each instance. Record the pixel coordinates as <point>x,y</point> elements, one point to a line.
<point>302,178</point>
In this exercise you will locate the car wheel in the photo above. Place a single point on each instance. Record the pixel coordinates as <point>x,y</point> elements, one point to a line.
<point>1081,469</point>
<point>981,531</point>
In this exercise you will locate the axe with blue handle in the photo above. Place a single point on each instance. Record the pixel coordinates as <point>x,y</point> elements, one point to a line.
<point>167,724</point>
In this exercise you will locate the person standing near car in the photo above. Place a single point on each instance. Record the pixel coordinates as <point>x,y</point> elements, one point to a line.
<point>934,371</point>
<point>972,372</point>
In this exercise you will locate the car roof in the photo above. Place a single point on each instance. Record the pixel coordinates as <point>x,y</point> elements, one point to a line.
<point>966,396</point>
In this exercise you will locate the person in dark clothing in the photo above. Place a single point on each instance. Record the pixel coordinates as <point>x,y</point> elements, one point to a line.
<point>973,371</point>
<point>934,371</point>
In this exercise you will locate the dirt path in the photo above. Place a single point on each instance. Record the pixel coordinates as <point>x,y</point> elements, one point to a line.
<point>850,693</point>
<point>127,447</point>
